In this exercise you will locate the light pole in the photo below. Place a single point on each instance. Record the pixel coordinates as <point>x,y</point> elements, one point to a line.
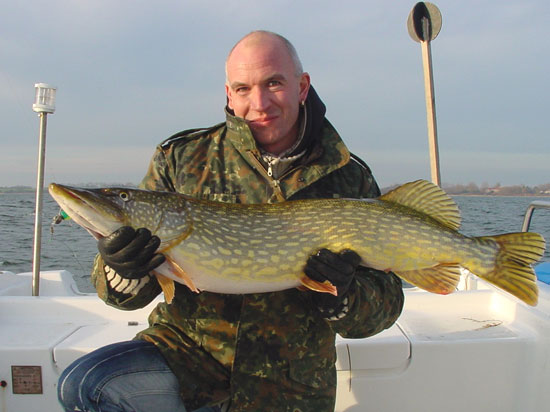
<point>44,103</point>
<point>424,24</point>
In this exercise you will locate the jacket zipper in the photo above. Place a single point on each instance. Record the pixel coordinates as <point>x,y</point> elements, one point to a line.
<point>270,162</point>
<point>268,176</point>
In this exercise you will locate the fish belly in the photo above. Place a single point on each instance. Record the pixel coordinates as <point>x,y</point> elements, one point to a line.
<point>267,251</point>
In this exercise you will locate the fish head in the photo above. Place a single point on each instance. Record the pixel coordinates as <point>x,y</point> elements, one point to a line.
<point>101,211</point>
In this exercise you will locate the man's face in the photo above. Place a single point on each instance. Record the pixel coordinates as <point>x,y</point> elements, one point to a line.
<point>263,88</point>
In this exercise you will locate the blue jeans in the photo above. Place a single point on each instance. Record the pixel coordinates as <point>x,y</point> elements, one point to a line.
<point>122,377</point>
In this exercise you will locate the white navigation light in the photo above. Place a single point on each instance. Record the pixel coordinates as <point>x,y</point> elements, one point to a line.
<point>44,101</point>
<point>44,104</point>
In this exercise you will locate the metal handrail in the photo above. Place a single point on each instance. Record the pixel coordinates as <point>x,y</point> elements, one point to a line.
<point>536,204</point>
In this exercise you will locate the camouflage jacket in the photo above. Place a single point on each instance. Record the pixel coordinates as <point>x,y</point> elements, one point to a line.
<point>270,351</point>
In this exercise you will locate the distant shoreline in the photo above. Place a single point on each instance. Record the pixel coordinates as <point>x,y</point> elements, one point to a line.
<point>18,192</point>
<point>9,191</point>
<point>496,195</point>
<point>470,189</point>
<point>29,189</point>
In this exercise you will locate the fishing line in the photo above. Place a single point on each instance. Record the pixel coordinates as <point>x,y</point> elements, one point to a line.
<point>60,217</point>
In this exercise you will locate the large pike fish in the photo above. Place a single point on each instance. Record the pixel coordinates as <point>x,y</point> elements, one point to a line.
<point>237,248</point>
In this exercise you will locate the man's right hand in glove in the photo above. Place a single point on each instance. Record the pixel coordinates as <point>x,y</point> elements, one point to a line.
<point>131,253</point>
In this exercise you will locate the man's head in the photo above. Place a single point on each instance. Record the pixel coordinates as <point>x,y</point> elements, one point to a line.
<point>265,85</point>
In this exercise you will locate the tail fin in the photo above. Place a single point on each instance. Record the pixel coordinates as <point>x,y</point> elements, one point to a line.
<point>513,271</point>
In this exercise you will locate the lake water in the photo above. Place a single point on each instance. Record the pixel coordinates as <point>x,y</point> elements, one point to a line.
<point>70,247</point>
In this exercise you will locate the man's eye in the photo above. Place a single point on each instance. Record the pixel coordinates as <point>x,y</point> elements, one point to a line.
<point>241,90</point>
<point>274,83</point>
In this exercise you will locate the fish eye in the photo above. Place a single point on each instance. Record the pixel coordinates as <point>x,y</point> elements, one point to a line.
<point>124,196</point>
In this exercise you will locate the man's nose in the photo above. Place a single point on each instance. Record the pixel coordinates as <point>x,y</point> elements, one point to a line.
<point>260,99</point>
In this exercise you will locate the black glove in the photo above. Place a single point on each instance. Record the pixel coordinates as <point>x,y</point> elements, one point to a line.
<point>339,269</point>
<point>131,253</point>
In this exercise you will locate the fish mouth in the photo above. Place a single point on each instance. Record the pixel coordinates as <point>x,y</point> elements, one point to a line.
<point>88,209</point>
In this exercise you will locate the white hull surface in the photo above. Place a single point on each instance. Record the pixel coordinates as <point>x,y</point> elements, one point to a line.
<point>479,350</point>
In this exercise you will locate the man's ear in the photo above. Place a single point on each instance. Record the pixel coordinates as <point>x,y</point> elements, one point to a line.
<point>229,97</point>
<point>305,82</point>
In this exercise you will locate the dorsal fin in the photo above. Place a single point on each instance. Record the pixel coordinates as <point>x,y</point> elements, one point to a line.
<point>427,198</point>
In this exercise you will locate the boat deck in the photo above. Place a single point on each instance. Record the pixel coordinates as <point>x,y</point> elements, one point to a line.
<point>477,350</point>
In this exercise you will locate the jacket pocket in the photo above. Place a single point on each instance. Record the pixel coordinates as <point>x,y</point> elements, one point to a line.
<point>313,372</point>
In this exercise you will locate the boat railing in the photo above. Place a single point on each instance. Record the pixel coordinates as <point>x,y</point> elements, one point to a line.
<point>536,204</point>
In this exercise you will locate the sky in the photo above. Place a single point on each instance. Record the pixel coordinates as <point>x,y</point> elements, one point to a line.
<point>130,73</point>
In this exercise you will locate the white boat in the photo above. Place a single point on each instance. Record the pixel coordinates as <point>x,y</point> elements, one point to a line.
<point>478,349</point>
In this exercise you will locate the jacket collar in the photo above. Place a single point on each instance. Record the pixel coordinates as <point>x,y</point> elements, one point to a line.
<point>324,149</point>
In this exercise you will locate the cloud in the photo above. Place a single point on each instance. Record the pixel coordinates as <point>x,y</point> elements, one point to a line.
<point>130,73</point>
<point>75,164</point>
<point>459,167</point>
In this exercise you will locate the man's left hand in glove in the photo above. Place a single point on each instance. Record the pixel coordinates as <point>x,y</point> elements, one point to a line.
<point>339,269</point>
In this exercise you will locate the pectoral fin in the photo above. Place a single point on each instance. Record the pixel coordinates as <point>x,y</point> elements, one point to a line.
<point>177,271</point>
<point>168,287</point>
<point>442,279</point>
<point>324,287</point>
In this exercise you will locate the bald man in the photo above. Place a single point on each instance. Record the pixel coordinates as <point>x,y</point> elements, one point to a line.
<point>252,352</point>
<point>265,87</point>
